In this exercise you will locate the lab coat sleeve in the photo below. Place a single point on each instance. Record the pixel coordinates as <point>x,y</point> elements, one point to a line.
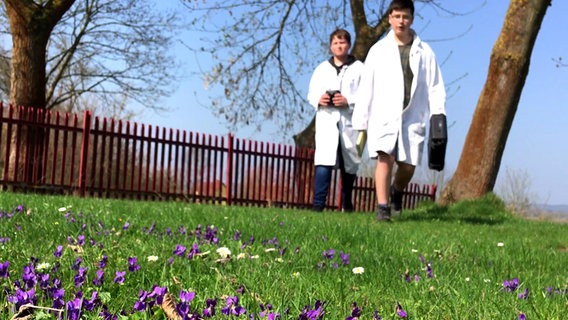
<point>315,88</point>
<point>364,97</point>
<point>437,91</point>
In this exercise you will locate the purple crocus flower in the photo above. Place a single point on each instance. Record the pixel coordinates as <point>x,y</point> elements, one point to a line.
<point>185,298</point>
<point>23,297</point>
<point>74,309</point>
<point>429,270</point>
<point>80,277</point>
<point>376,315</point>
<point>57,294</point>
<point>179,250</point>
<point>329,253</point>
<point>44,281</point>
<point>119,278</point>
<point>158,294</point>
<point>29,277</point>
<point>58,251</point>
<point>313,314</point>
<point>344,257</point>
<point>524,295</point>
<point>522,316</point>
<point>209,310</point>
<point>511,285</point>
<point>126,226</point>
<point>232,307</point>
<point>355,312</point>
<point>103,262</point>
<point>140,304</point>
<point>81,240</point>
<point>90,304</point>
<point>266,312</point>
<point>4,273</point>
<point>99,278</point>
<point>241,289</point>
<point>194,251</point>
<point>132,264</point>
<point>77,263</point>
<point>400,311</point>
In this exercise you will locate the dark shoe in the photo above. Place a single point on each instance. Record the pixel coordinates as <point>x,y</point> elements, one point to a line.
<point>383,213</point>
<point>396,200</point>
<point>318,208</point>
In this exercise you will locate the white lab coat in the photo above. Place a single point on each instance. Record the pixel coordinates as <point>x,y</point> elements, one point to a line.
<point>333,125</point>
<point>379,105</point>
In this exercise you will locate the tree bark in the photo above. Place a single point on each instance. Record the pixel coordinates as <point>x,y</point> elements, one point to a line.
<point>31,25</point>
<point>508,68</point>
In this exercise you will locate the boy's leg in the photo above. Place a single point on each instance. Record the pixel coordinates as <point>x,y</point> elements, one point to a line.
<point>322,180</point>
<point>383,172</point>
<point>347,181</point>
<point>402,177</point>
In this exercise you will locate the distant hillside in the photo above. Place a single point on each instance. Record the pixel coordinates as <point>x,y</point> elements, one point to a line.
<point>561,209</point>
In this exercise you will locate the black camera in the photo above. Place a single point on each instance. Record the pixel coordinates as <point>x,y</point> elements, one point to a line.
<point>331,93</point>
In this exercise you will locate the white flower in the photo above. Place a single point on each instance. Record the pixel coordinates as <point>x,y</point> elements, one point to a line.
<point>43,266</point>
<point>62,209</point>
<point>270,250</point>
<point>486,280</point>
<point>296,274</point>
<point>254,257</point>
<point>241,255</point>
<point>152,258</point>
<point>358,270</point>
<point>279,260</point>
<point>500,244</point>
<point>224,252</point>
<point>467,279</point>
<point>414,250</point>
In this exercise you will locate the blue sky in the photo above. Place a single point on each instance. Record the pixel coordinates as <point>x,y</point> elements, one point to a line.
<point>537,143</point>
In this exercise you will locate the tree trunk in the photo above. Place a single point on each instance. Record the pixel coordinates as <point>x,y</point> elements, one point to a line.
<point>30,25</point>
<point>508,67</point>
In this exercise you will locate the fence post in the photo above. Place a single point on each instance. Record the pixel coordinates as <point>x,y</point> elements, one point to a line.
<point>84,152</point>
<point>433,193</point>
<point>229,188</point>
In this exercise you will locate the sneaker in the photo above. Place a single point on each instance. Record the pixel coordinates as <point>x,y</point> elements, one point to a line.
<point>396,200</point>
<point>383,213</point>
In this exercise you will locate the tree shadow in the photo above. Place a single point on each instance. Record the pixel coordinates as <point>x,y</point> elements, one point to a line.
<point>489,210</point>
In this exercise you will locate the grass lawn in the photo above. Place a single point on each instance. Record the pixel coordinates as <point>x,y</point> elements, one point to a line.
<point>75,258</point>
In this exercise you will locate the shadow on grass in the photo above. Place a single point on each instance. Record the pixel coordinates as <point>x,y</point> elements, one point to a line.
<point>489,210</point>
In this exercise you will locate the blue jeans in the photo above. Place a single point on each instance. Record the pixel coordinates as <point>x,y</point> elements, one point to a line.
<point>322,182</point>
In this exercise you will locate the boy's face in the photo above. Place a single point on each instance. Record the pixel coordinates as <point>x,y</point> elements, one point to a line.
<point>400,21</point>
<point>339,47</point>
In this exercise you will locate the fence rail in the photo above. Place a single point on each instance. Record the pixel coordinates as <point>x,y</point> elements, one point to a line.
<point>54,152</point>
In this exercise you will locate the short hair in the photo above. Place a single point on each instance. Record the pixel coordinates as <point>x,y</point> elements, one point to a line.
<point>341,34</point>
<point>401,5</point>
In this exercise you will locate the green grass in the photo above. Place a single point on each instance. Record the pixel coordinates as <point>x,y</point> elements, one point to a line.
<point>472,248</point>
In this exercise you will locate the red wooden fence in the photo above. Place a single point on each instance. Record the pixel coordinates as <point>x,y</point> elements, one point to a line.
<point>49,151</point>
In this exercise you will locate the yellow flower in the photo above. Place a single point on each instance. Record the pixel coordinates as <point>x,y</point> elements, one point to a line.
<point>296,274</point>
<point>241,255</point>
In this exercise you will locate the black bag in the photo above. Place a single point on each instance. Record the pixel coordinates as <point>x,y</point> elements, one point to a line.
<point>437,142</point>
